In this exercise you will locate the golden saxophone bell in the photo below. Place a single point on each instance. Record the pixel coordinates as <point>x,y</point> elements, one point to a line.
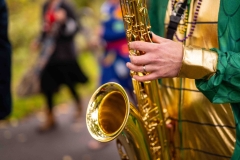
<point>107,112</point>
<point>110,115</point>
<point>140,132</point>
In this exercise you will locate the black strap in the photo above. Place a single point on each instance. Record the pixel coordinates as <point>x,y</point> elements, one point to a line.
<point>174,20</point>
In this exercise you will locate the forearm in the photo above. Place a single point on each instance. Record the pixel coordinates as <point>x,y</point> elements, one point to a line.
<point>198,63</point>
<point>217,73</point>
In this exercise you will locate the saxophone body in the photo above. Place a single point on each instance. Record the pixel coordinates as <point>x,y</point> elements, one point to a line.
<point>140,131</point>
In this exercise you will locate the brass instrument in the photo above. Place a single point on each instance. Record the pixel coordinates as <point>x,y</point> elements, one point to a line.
<point>140,131</point>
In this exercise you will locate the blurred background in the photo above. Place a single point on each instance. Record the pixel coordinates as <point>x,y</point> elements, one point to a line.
<point>24,27</point>
<point>18,137</point>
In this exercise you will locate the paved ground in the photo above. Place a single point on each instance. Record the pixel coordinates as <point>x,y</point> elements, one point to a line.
<point>21,141</point>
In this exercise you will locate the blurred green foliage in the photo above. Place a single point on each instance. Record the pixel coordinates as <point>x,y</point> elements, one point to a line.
<point>24,26</point>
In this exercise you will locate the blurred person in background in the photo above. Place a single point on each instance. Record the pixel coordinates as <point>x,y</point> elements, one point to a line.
<point>115,53</point>
<point>62,67</point>
<point>5,63</point>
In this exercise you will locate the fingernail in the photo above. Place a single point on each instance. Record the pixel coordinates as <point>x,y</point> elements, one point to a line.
<point>130,57</point>
<point>150,34</point>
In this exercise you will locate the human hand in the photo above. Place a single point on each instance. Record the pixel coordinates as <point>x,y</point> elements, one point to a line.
<point>162,58</point>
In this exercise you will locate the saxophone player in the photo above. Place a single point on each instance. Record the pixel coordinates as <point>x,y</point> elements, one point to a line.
<point>198,67</point>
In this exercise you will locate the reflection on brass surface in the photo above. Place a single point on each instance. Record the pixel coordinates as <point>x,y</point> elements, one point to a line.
<point>203,130</point>
<point>104,118</point>
<point>198,63</point>
<point>140,131</point>
<point>176,123</point>
<point>110,115</point>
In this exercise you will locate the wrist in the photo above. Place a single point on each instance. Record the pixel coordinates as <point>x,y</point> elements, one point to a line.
<point>198,63</point>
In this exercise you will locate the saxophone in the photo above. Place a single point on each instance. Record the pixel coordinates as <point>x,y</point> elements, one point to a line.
<point>140,132</point>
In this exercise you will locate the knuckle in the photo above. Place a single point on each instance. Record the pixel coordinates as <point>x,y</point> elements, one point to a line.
<point>136,45</point>
<point>141,79</point>
<point>155,47</point>
<point>135,60</point>
<point>158,47</point>
<point>131,66</point>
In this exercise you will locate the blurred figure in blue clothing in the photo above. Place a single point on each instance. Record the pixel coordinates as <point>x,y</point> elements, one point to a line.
<point>5,63</point>
<point>115,54</point>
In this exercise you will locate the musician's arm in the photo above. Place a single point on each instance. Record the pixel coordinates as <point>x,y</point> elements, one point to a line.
<point>198,63</point>
<point>217,73</point>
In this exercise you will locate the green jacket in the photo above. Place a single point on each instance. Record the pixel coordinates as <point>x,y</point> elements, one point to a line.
<point>224,86</point>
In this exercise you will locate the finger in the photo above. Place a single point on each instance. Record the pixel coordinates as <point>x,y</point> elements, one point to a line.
<point>140,60</point>
<point>149,68</point>
<point>135,68</point>
<point>142,46</point>
<point>158,39</point>
<point>148,77</point>
<point>141,68</point>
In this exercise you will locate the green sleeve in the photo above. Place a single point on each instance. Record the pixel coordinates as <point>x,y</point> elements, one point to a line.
<point>224,86</point>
